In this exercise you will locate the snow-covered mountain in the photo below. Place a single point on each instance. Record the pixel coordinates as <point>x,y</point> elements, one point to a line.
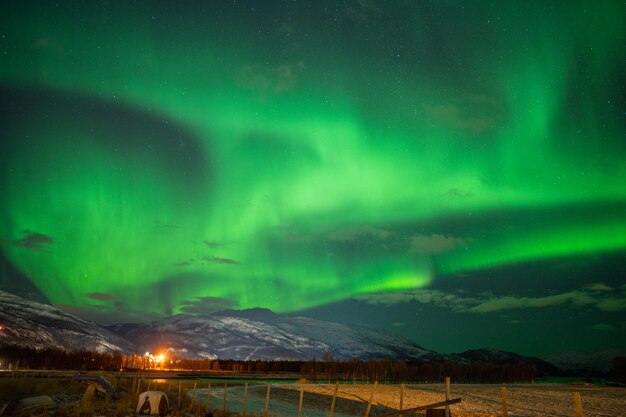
<point>500,357</point>
<point>575,361</point>
<point>37,325</point>
<point>248,334</point>
<point>260,334</point>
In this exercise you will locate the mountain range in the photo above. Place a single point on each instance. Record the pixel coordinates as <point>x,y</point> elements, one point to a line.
<point>261,334</point>
<point>248,335</point>
<point>580,362</point>
<point>38,325</point>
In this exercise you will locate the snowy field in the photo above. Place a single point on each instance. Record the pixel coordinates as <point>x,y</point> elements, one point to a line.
<point>477,400</point>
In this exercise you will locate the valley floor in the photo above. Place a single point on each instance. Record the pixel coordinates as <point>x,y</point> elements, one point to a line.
<point>486,400</point>
<point>193,396</point>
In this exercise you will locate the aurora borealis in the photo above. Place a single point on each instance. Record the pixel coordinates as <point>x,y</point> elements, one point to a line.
<point>320,157</point>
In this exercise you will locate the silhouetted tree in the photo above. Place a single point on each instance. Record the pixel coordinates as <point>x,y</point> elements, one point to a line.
<point>618,369</point>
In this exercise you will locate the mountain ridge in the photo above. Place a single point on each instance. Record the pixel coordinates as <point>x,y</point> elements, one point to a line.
<point>500,357</point>
<point>578,361</point>
<point>262,334</point>
<point>251,334</point>
<point>38,325</point>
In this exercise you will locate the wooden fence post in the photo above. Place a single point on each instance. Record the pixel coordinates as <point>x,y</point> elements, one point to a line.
<point>401,398</point>
<point>179,394</point>
<point>267,401</point>
<point>579,405</point>
<point>193,395</point>
<point>225,387</point>
<point>505,406</point>
<point>332,404</point>
<point>208,398</point>
<point>369,403</point>
<point>301,401</point>
<point>447,396</point>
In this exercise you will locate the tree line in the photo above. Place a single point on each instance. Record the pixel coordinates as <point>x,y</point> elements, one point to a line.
<point>325,370</point>
<point>398,371</point>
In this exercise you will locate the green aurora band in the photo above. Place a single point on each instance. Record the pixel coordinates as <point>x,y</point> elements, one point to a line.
<point>291,155</point>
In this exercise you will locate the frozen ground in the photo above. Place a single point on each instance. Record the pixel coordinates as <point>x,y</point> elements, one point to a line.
<point>477,400</point>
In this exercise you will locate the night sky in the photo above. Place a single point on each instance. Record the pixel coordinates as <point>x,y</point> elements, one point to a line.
<point>452,171</point>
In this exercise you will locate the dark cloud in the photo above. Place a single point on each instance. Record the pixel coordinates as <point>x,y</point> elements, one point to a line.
<point>435,243</point>
<point>165,228</point>
<point>100,296</point>
<point>216,260</point>
<point>364,232</point>
<point>343,240</point>
<point>212,245</point>
<point>182,264</point>
<point>290,234</point>
<point>37,242</point>
<point>207,305</point>
<point>458,193</point>
<point>489,303</point>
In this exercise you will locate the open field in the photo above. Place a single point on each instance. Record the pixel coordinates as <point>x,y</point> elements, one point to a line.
<point>189,397</point>
<point>486,401</point>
